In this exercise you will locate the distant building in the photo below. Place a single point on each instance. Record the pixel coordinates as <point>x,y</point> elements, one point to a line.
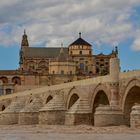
<point>48,66</point>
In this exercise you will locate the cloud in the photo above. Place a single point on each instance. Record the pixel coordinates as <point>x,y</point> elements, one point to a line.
<point>49,23</point>
<point>136,44</point>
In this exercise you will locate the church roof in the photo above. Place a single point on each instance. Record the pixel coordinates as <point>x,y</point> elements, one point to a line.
<point>80,41</point>
<point>33,52</point>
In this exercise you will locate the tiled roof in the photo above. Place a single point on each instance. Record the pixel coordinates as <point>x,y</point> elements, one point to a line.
<point>80,41</point>
<point>33,52</point>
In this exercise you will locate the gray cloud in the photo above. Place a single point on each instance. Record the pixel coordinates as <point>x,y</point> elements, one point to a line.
<point>52,22</point>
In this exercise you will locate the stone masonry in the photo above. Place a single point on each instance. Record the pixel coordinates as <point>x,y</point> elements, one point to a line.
<point>100,101</point>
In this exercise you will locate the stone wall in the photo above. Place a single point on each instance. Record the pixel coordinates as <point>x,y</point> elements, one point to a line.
<point>19,109</point>
<point>52,117</point>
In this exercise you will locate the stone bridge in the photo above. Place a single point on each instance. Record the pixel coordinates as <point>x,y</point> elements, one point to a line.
<point>100,101</point>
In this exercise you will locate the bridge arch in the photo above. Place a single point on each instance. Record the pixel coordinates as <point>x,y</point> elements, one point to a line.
<point>49,98</point>
<point>3,108</point>
<point>101,95</point>
<point>131,96</point>
<point>73,96</point>
<point>73,100</point>
<point>29,100</point>
<point>97,90</point>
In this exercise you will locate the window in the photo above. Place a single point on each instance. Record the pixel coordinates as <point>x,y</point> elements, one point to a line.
<point>101,60</point>
<point>80,52</point>
<point>70,52</point>
<point>1,91</point>
<point>70,72</point>
<point>8,91</point>
<point>42,64</point>
<point>89,52</point>
<point>31,65</point>
<point>97,63</point>
<point>86,68</point>
<point>106,63</point>
<point>53,72</point>
<point>82,66</point>
<point>77,68</point>
<point>4,80</point>
<point>62,72</point>
<point>16,80</point>
<point>101,65</point>
<point>97,70</point>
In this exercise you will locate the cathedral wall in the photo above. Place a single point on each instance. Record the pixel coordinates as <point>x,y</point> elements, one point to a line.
<point>62,68</point>
<point>88,63</point>
<point>31,80</point>
<point>79,49</point>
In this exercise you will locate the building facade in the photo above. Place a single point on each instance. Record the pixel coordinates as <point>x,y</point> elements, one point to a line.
<point>49,66</point>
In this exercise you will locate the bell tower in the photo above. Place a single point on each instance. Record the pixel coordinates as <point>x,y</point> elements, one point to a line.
<point>24,45</point>
<point>24,42</point>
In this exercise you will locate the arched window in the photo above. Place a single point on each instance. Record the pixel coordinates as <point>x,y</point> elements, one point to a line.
<point>31,65</point>
<point>16,80</point>
<point>4,80</point>
<point>42,64</point>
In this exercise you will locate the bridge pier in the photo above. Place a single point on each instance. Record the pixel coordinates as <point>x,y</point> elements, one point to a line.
<point>114,88</point>
<point>53,113</point>
<point>78,118</point>
<point>30,113</point>
<point>11,114</point>
<point>79,113</point>
<point>135,116</point>
<point>108,116</point>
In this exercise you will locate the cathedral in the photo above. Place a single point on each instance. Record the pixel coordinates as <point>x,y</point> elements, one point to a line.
<point>48,66</point>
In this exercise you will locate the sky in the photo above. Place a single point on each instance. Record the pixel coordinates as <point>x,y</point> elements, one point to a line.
<point>49,23</point>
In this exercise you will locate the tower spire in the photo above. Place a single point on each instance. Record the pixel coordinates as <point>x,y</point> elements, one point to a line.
<point>24,41</point>
<point>61,50</point>
<point>79,34</point>
<point>24,31</point>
